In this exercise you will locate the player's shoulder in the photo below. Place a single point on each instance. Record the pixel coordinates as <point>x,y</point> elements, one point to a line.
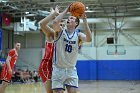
<point>12,51</point>
<point>78,30</point>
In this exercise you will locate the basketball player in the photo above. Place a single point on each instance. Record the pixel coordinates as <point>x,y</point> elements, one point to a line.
<point>64,72</point>
<point>45,68</point>
<point>8,67</point>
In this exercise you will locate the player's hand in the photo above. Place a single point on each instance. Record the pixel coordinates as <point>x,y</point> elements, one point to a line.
<point>83,16</point>
<point>10,70</point>
<point>57,9</point>
<point>51,10</point>
<point>68,9</point>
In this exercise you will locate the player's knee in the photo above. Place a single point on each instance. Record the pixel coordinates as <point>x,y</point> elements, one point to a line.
<point>71,90</point>
<point>58,91</point>
<point>49,91</point>
<point>5,84</point>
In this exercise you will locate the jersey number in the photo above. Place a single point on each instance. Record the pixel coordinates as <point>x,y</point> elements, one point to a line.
<point>68,48</point>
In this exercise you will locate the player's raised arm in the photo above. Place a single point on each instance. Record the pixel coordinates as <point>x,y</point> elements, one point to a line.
<point>58,19</point>
<point>44,22</point>
<point>87,37</point>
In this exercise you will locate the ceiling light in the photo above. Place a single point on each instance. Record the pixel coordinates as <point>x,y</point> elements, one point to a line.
<point>87,7</point>
<point>26,12</point>
<point>4,1</point>
<point>89,11</point>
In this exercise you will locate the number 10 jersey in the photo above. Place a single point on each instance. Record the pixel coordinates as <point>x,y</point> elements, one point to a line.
<point>66,49</point>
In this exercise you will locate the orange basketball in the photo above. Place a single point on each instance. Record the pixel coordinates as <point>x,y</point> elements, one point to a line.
<point>77,9</point>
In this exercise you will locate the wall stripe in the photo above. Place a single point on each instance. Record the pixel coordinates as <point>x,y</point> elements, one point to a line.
<point>108,69</point>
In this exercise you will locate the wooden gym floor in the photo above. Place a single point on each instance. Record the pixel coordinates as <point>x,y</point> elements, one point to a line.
<point>84,87</point>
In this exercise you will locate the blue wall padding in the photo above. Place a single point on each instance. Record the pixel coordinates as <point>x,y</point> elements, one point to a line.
<point>108,69</point>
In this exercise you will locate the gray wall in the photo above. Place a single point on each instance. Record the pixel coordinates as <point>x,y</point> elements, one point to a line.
<point>30,40</point>
<point>4,39</point>
<point>29,57</point>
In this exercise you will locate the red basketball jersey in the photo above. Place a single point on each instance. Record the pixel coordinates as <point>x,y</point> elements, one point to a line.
<point>45,68</point>
<point>13,54</point>
<point>49,48</point>
<point>5,75</point>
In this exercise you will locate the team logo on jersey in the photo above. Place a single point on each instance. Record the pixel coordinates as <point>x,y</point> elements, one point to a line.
<point>70,42</point>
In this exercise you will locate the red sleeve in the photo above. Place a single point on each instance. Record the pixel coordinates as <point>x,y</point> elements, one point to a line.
<point>11,53</point>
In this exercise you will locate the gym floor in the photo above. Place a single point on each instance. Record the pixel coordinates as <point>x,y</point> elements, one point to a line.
<point>84,87</point>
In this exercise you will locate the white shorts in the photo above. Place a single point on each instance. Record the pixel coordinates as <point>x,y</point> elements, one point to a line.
<point>62,77</point>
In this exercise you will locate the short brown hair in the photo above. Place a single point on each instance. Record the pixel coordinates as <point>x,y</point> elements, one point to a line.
<point>16,42</point>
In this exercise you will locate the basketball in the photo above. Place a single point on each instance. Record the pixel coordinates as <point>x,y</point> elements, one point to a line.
<point>77,9</point>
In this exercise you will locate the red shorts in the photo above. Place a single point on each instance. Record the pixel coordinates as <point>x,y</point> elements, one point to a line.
<point>45,70</point>
<point>5,75</point>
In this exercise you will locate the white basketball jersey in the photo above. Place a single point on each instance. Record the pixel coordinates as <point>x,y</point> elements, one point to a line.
<point>66,49</point>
